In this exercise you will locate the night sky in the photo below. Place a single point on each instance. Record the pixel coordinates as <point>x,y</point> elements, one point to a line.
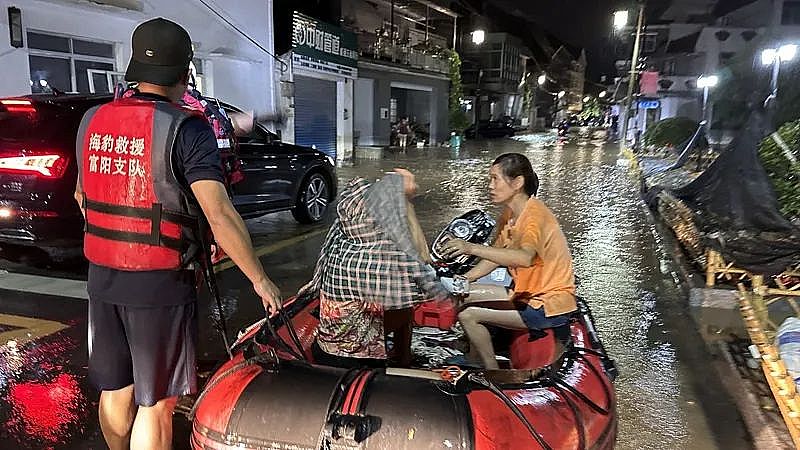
<point>584,23</point>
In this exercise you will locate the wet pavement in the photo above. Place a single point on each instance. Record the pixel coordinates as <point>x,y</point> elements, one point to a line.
<point>667,393</point>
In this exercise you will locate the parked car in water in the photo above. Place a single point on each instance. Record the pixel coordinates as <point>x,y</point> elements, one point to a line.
<point>38,172</point>
<point>490,129</point>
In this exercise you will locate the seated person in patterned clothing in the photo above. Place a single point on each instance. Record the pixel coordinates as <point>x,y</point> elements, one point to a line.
<point>372,268</point>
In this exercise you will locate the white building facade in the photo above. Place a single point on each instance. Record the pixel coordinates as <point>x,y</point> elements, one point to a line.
<point>82,46</point>
<point>695,47</point>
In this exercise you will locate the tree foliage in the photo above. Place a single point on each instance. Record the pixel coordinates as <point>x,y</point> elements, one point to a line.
<point>458,118</point>
<point>743,79</point>
<point>591,109</point>
<point>672,131</point>
<point>782,168</point>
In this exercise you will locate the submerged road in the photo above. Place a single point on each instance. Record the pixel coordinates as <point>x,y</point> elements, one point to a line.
<point>668,395</point>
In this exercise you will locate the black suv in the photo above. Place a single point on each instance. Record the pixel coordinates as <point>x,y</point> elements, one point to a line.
<point>38,172</point>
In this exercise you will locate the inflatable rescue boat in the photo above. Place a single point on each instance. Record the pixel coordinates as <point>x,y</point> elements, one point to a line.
<point>271,394</point>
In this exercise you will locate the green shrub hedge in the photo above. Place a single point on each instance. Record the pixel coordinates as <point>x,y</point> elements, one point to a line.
<point>672,131</point>
<point>783,172</point>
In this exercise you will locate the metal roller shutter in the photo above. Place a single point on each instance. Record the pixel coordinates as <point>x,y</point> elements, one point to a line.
<point>315,114</point>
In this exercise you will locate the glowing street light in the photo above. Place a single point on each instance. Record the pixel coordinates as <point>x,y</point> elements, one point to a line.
<point>620,19</point>
<point>620,22</point>
<point>478,36</point>
<point>774,57</point>
<point>562,94</point>
<point>542,79</point>
<point>783,53</point>
<point>586,99</point>
<point>603,94</point>
<point>706,82</point>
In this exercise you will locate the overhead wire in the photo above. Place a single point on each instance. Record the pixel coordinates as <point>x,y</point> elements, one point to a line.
<point>284,66</point>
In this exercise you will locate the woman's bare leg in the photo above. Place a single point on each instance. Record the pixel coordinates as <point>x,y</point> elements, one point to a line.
<point>475,319</point>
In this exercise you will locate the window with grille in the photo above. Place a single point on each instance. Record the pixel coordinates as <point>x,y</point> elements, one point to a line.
<point>66,63</point>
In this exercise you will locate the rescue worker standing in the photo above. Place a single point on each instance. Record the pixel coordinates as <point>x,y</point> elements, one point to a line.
<point>149,176</point>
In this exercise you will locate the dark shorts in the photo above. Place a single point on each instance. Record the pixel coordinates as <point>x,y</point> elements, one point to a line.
<point>152,348</point>
<point>535,319</point>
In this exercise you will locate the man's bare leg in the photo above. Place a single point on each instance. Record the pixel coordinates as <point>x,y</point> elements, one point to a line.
<point>117,412</point>
<point>152,429</point>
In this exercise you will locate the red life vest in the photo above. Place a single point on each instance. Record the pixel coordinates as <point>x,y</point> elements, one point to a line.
<point>138,216</point>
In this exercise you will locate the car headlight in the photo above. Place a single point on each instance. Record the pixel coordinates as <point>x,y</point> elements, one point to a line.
<point>331,160</point>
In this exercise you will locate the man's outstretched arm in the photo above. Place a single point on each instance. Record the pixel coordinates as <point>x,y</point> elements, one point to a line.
<point>231,234</point>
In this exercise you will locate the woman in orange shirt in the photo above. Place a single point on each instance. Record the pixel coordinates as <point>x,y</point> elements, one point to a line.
<point>533,248</point>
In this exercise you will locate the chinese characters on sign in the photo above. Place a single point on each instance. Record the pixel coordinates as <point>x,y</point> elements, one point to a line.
<point>306,33</point>
<point>323,47</point>
<point>116,155</point>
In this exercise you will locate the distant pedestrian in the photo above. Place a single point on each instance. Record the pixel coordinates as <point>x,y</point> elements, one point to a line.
<point>403,130</point>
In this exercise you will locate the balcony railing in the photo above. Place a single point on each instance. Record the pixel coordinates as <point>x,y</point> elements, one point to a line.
<point>420,56</point>
<point>677,83</point>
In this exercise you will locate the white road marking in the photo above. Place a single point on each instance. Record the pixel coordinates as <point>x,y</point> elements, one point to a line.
<point>36,284</point>
<point>76,289</point>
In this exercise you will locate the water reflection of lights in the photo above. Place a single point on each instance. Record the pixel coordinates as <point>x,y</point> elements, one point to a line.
<point>45,411</point>
<point>43,404</point>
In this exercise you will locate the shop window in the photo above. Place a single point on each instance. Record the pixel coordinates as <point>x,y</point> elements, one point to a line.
<point>47,72</point>
<point>66,63</point>
<point>46,42</point>
<point>791,13</point>
<point>89,48</point>
<point>82,74</point>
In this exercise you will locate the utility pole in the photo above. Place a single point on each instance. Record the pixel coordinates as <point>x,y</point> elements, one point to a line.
<point>632,78</point>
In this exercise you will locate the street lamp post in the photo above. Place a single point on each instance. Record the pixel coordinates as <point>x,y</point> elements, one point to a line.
<point>706,82</point>
<point>620,19</point>
<point>774,57</point>
<point>478,36</point>
<point>533,113</point>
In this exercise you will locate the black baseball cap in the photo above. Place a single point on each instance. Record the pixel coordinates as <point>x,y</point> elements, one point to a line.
<point>162,50</point>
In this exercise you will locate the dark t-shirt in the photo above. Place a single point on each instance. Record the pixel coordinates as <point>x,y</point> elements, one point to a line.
<point>195,157</point>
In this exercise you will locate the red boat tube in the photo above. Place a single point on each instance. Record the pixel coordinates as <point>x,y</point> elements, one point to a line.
<point>271,397</point>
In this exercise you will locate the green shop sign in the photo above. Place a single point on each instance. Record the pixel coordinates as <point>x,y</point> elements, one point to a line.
<point>322,47</point>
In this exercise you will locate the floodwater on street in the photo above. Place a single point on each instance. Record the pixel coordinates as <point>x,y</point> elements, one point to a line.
<point>667,395</point>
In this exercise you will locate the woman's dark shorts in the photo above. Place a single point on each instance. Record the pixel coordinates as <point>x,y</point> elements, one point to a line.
<point>535,319</point>
<point>152,348</point>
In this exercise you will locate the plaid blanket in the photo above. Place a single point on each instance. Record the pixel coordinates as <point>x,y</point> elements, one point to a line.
<point>367,264</point>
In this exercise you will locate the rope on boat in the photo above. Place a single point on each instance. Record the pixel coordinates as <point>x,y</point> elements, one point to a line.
<point>576,414</point>
<point>282,344</point>
<point>292,334</point>
<point>481,380</point>
<point>579,354</point>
